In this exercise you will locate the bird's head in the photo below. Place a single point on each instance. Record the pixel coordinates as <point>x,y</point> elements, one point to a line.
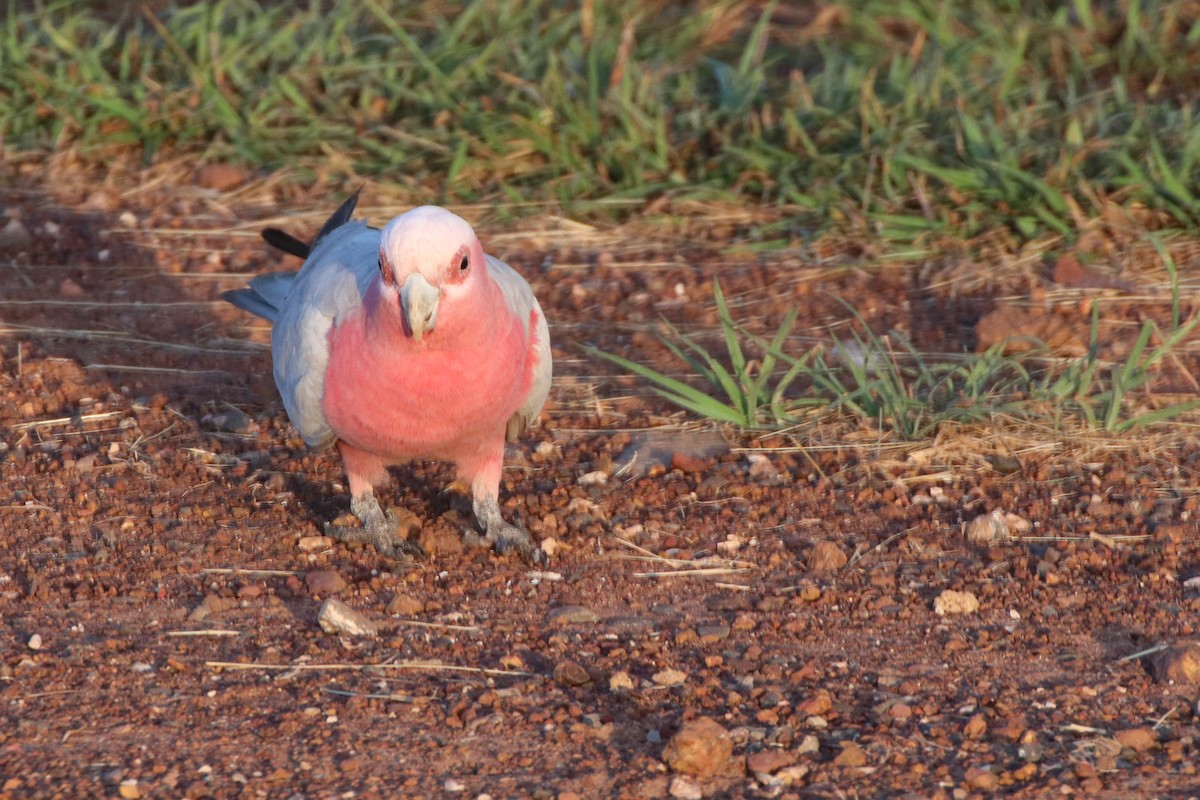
<point>429,257</point>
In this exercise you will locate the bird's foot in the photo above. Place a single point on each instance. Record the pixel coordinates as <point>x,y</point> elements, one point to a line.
<point>505,537</point>
<point>377,528</point>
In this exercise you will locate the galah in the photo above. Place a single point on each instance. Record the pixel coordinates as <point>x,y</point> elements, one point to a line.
<point>406,343</point>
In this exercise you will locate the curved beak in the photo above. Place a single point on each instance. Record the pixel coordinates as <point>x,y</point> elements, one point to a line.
<point>419,301</point>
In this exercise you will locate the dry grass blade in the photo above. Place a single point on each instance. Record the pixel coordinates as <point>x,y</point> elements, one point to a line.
<point>432,666</point>
<point>860,556</point>
<point>397,698</point>
<point>29,506</point>
<point>412,623</point>
<point>1149,651</point>
<point>694,573</point>
<point>680,563</point>
<point>48,423</point>
<point>258,573</point>
<point>214,633</point>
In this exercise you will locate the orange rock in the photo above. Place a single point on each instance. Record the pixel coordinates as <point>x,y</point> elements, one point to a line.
<point>851,756</point>
<point>826,556</point>
<point>701,747</point>
<point>1177,664</point>
<point>219,176</point>
<point>1139,740</point>
<point>820,703</point>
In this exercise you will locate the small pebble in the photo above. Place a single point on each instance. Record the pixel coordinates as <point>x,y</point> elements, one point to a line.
<point>684,789</point>
<point>988,528</point>
<point>309,544</point>
<point>952,602</point>
<point>768,762</point>
<point>821,702</point>
<point>669,677</point>
<point>620,682</point>
<point>14,235</point>
<point>337,617</point>
<point>976,727</point>
<point>35,642</point>
<point>981,778</point>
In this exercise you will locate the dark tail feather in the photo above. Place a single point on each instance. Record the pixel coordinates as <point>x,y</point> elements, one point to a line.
<point>338,218</point>
<point>293,246</point>
<point>285,242</point>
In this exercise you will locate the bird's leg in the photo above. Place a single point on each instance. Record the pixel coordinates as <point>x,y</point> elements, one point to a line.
<point>504,536</point>
<point>483,473</point>
<point>363,472</point>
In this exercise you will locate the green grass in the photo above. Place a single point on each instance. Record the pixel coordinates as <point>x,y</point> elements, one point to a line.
<point>883,382</point>
<point>917,121</point>
<point>917,125</point>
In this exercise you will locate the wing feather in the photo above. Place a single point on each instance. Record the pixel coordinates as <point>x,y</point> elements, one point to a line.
<point>519,297</point>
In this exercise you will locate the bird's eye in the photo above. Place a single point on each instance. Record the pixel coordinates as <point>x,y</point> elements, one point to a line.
<point>462,265</point>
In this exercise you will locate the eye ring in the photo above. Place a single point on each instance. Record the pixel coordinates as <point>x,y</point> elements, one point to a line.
<point>464,264</point>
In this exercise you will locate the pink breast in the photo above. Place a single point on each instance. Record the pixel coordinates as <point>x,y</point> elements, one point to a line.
<point>434,399</point>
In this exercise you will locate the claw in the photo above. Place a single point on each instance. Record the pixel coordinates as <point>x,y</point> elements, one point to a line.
<point>378,529</point>
<point>505,537</point>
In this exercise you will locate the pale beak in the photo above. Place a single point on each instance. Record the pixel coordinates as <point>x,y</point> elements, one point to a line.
<point>419,300</point>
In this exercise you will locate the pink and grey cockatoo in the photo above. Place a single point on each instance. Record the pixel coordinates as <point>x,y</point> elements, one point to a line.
<point>403,343</point>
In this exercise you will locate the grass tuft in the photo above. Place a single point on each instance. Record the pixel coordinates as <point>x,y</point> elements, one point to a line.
<point>883,382</point>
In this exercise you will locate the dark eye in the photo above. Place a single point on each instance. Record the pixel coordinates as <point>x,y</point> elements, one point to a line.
<point>462,265</point>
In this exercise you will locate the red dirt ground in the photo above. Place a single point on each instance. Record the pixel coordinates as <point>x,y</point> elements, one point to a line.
<point>161,569</point>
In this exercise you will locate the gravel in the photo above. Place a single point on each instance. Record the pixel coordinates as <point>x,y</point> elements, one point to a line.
<point>144,546</point>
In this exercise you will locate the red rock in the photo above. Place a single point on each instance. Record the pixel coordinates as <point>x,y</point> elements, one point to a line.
<point>324,582</point>
<point>767,762</point>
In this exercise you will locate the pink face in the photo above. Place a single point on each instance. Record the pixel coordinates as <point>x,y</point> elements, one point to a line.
<point>429,257</point>
<point>432,241</point>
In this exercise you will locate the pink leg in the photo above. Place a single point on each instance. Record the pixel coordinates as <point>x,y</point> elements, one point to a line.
<point>364,472</point>
<point>482,471</point>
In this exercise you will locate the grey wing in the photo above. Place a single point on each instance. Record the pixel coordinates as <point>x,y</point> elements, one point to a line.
<point>521,300</point>
<point>328,287</point>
